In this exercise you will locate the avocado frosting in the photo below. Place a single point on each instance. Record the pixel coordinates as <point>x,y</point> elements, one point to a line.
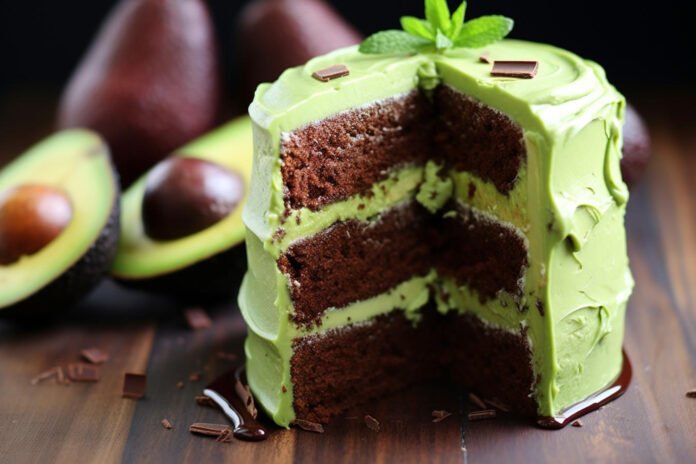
<point>568,203</point>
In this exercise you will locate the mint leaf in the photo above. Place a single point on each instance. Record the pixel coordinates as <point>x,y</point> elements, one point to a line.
<point>437,14</point>
<point>457,20</point>
<point>393,42</point>
<point>418,27</point>
<point>442,42</point>
<point>483,31</point>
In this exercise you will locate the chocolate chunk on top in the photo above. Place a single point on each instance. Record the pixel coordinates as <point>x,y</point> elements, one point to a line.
<point>330,73</point>
<point>520,69</point>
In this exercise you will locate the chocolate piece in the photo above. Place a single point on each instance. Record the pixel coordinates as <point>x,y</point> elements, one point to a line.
<point>519,69</point>
<point>210,430</point>
<point>81,372</point>
<point>372,423</point>
<point>577,423</point>
<point>197,318</point>
<point>180,385</point>
<point>245,425</point>
<point>225,436</point>
<point>485,57</point>
<point>166,424</point>
<point>309,426</point>
<point>195,376</point>
<point>330,73</point>
<point>691,393</point>
<point>477,401</point>
<point>61,379</point>
<point>439,415</point>
<point>46,375</point>
<point>134,385</point>
<point>203,400</point>
<point>95,355</point>
<point>481,415</point>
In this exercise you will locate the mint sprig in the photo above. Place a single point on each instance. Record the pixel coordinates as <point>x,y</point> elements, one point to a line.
<point>439,31</point>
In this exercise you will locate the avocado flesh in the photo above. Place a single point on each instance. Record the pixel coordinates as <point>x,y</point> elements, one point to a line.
<point>78,163</point>
<point>141,258</point>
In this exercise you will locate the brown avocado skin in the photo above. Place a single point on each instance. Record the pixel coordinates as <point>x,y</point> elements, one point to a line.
<point>216,278</point>
<point>82,277</point>
<point>293,32</point>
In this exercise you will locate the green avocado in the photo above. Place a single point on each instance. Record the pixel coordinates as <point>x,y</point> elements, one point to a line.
<point>207,264</point>
<point>75,163</point>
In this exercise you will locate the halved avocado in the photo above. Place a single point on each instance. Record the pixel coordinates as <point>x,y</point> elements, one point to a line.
<point>203,265</point>
<point>76,165</point>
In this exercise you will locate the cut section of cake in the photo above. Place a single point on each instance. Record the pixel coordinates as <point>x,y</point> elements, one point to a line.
<point>420,218</point>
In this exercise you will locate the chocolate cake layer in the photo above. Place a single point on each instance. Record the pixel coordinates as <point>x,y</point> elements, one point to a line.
<point>344,155</point>
<point>355,260</point>
<point>349,366</point>
<point>476,138</point>
<point>482,253</point>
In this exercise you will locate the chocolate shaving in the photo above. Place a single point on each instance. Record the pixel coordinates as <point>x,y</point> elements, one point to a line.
<point>485,57</point>
<point>225,436</point>
<point>309,426</point>
<point>332,72</point>
<point>61,379</point>
<point>244,393</point>
<point>227,356</point>
<point>481,415</point>
<point>49,374</point>
<point>166,424</point>
<point>134,385</point>
<point>95,355</point>
<point>577,423</point>
<point>195,376</point>
<point>210,430</point>
<point>372,423</point>
<point>691,393</point>
<point>203,400</point>
<point>477,401</point>
<point>197,318</point>
<point>519,69</point>
<point>439,415</point>
<point>81,372</point>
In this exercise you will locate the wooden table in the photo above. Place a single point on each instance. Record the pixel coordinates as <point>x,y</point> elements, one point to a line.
<point>652,422</point>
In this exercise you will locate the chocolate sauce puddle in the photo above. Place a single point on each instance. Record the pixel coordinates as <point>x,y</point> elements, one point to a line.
<point>613,391</point>
<point>223,392</point>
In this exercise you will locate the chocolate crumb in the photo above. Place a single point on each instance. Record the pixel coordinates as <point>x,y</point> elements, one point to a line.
<point>282,387</point>
<point>540,307</point>
<point>485,57</point>
<point>577,423</point>
<point>227,356</point>
<point>203,400</point>
<point>691,393</point>
<point>330,73</point>
<point>166,424</point>
<point>197,318</point>
<point>482,415</point>
<point>180,385</point>
<point>210,430</point>
<point>195,376</point>
<point>95,355</point>
<point>519,69</point>
<point>134,385</point>
<point>440,415</point>
<point>372,423</point>
<point>309,426</point>
<point>49,374</point>
<point>81,372</point>
<point>477,401</point>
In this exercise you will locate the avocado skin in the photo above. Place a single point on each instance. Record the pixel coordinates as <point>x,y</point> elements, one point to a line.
<point>213,279</point>
<point>81,278</point>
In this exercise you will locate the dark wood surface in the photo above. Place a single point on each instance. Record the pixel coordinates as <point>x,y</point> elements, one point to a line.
<point>652,422</point>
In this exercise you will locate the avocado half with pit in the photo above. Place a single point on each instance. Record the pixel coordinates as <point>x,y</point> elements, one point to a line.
<point>59,214</point>
<point>181,223</point>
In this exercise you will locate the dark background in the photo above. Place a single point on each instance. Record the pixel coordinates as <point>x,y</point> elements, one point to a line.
<point>645,47</point>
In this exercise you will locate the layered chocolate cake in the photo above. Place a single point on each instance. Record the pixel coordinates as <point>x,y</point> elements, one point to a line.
<point>423,217</point>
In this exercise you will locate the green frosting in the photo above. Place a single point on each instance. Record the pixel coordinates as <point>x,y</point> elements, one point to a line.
<point>568,204</point>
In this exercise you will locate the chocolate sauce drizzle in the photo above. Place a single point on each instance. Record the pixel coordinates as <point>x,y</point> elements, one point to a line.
<point>599,399</point>
<point>223,392</point>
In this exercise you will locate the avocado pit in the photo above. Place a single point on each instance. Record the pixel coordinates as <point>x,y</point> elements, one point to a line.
<point>185,195</point>
<point>31,217</point>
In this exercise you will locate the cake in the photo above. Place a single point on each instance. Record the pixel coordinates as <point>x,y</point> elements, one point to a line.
<point>425,216</point>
